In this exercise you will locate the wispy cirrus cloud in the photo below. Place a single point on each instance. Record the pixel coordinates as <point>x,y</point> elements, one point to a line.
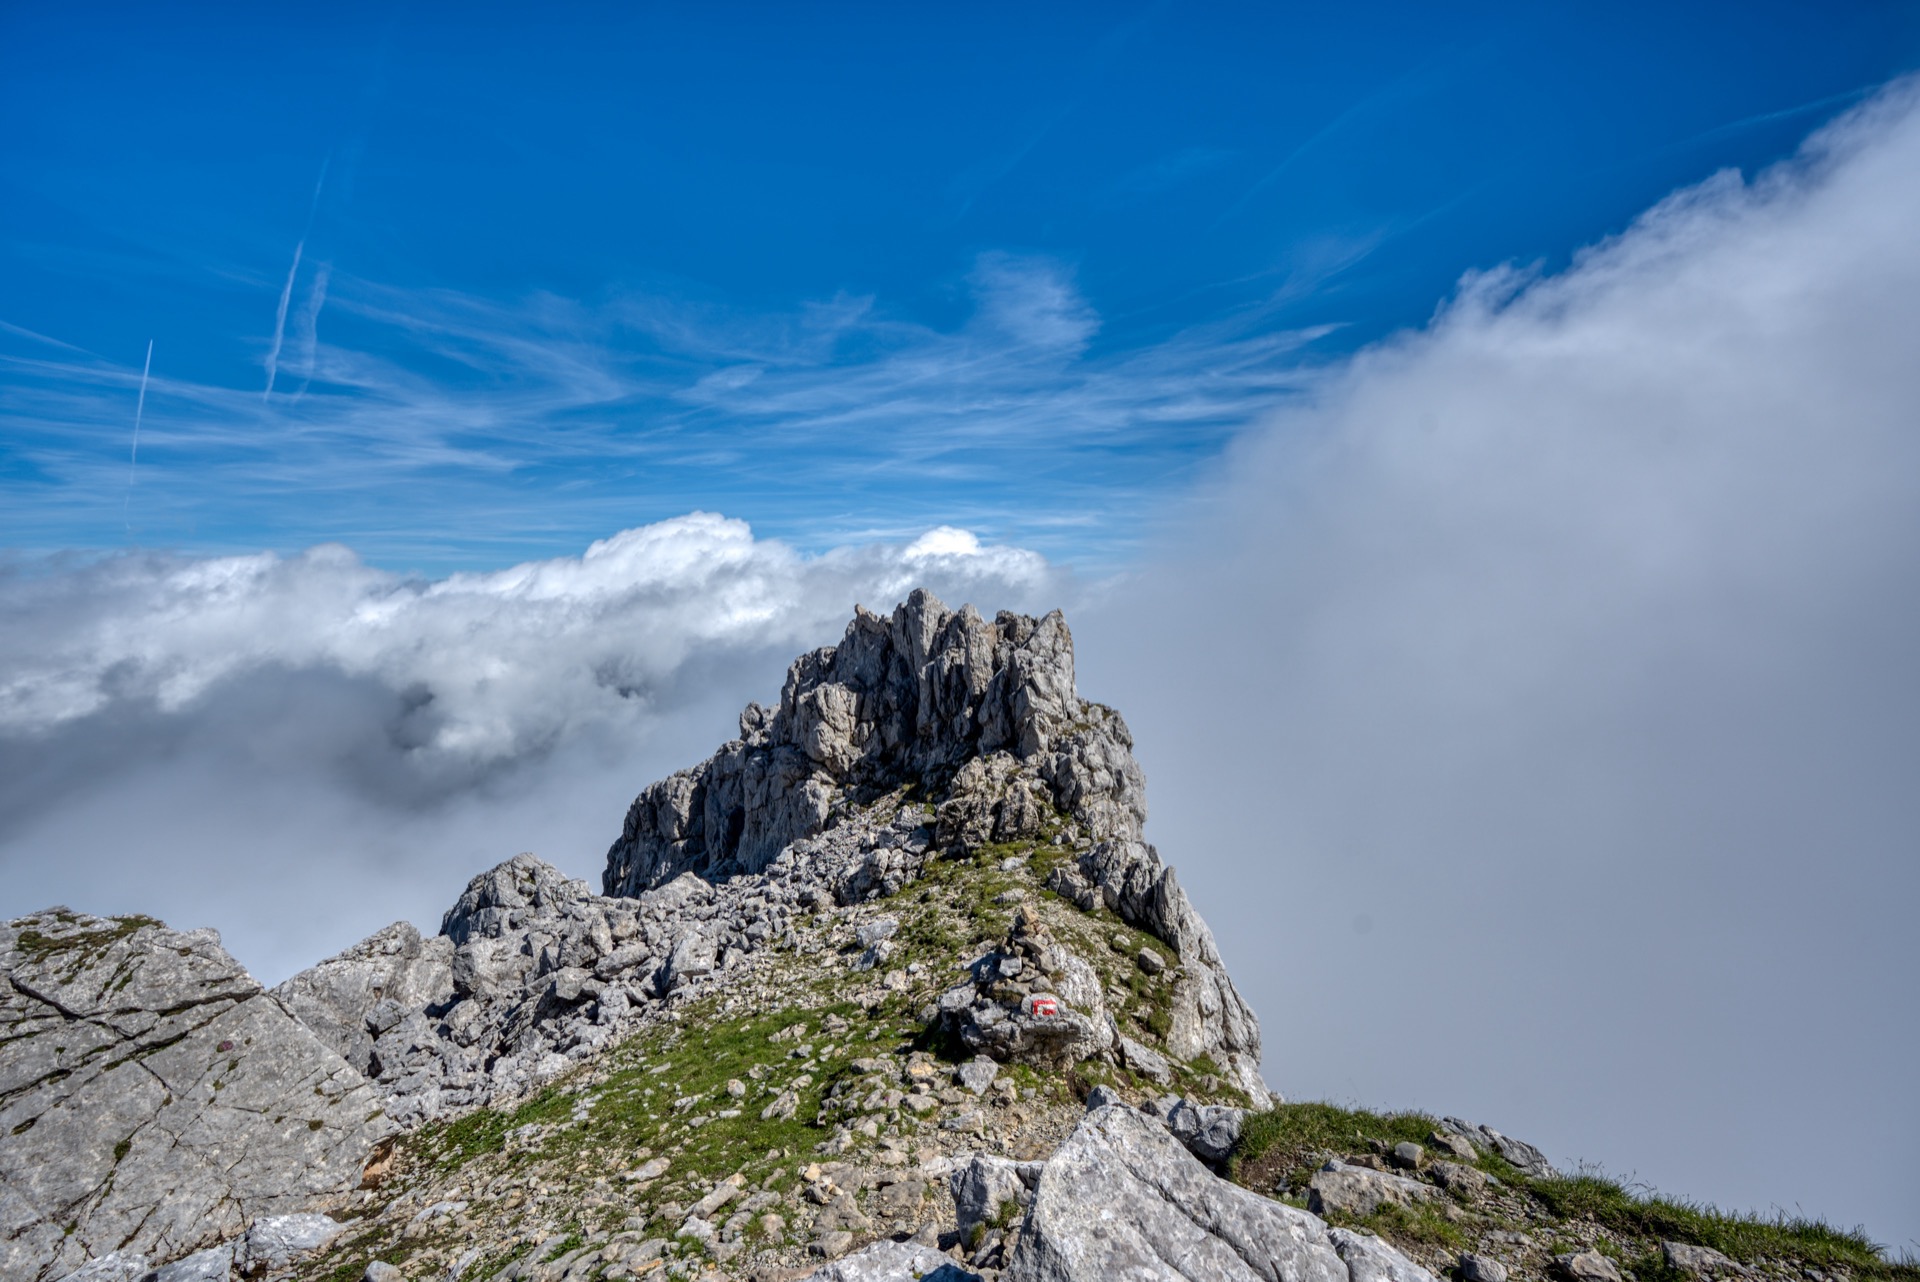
<point>420,408</point>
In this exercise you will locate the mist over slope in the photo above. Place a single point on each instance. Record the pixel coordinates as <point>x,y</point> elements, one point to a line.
<point>1542,706</point>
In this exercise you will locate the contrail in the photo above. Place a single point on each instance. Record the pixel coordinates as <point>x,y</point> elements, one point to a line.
<point>280,318</point>
<point>286,290</point>
<point>133,458</point>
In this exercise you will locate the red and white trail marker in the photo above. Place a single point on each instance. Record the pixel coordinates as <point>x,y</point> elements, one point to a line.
<point>1043,1006</point>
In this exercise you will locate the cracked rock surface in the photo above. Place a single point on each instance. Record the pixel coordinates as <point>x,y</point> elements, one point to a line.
<point>1123,1201</point>
<point>154,1099</point>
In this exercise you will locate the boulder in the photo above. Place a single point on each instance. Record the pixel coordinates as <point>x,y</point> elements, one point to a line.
<point>1701,1261</point>
<point>1354,1190</point>
<point>1208,1130</point>
<point>1481,1268</point>
<point>985,1187</point>
<point>350,999</point>
<point>1585,1266</point>
<point>893,1262</point>
<point>275,1241</point>
<point>215,1264</point>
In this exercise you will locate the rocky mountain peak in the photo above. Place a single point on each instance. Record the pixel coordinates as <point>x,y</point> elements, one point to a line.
<point>942,702</point>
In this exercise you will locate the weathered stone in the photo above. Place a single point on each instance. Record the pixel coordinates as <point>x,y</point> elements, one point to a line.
<point>1122,1199</point>
<point>1585,1266</point>
<point>1454,1144</point>
<point>1481,1268</point>
<point>1406,1155</point>
<point>154,1100</point>
<point>393,970</point>
<point>1702,1261</point>
<point>1209,1131</point>
<point>893,1262</point>
<point>986,1189</point>
<point>1467,1181</point>
<point>1352,1190</point>
<point>215,1264</point>
<point>976,1074</point>
<point>1372,1259</point>
<point>1522,1155</point>
<point>832,1244</point>
<point>1144,1061</point>
<point>381,1271</point>
<point>275,1241</point>
<point>117,1267</point>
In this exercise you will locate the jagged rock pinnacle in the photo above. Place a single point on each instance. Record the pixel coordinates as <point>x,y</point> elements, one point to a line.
<point>912,699</point>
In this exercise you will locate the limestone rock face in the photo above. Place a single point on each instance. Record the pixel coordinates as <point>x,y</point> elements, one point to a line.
<point>352,1000</point>
<point>1123,1201</point>
<point>154,1099</point>
<point>928,696</point>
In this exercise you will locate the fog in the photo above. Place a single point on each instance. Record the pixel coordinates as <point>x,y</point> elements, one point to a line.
<point>1536,715</point>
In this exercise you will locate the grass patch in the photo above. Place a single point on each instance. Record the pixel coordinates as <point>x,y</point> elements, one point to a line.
<point>1744,1237</point>
<point>1291,1140</point>
<point>85,944</point>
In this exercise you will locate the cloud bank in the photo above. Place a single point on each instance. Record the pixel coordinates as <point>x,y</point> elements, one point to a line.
<point>1537,714</point>
<point>300,749</point>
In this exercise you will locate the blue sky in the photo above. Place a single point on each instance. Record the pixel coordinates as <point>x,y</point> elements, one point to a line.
<point>845,275</point>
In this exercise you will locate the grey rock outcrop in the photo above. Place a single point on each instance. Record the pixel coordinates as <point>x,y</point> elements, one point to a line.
<point>1524,1156</point>
<point>924,697</point>
<point>1122,1199</point>
<point>154,1100</point>
<point>1701,1261</point>
<point>986,1186</point>
<point>355,1000</point>
<point>533,972</point>
<point>1209,1131</point>
<point>1356,1190</point>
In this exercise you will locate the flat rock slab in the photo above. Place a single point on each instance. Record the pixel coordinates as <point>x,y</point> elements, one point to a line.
<point>1124,1201</point>
<point>154,1100</point>
<point>894,1262</point>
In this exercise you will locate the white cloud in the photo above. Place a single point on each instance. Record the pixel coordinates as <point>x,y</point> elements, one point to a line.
<point>192,737</point>
<point>1573,641</point>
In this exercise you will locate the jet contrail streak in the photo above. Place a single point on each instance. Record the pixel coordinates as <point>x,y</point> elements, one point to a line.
<point>133,458</point>
<point>286,290</point>
<point>280,318</point>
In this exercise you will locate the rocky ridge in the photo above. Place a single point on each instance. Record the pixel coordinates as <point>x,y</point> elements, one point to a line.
<point>924,735</point>
<point>890,986</point>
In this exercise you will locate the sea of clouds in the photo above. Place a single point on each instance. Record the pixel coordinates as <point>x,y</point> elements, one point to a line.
<point>1535,713</point>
